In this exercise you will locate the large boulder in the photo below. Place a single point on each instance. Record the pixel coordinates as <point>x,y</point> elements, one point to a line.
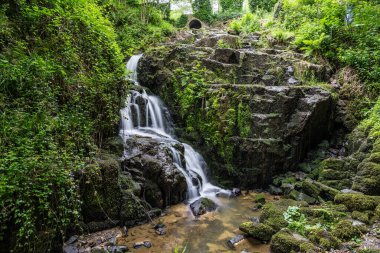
<point>107,195</point>
<point>202,206</point>
<point>258,231</point>
<point>286,241</point>
<point>357,202</point>
<point>150,163</point>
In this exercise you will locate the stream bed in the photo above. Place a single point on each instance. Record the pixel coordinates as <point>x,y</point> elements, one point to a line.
<point>207,233</point>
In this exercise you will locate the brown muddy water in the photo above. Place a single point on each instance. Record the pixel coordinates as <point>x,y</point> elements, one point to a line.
<point>205,234</point>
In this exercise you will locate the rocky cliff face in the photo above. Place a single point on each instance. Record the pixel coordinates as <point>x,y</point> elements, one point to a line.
<point>254,113</point>
<point>128,189</point>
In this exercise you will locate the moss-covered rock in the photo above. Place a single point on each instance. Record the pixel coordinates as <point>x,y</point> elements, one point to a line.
<point>337,172</point>
<point>286,241</point>
<point>308,247</point>
<point>356,202</point>
<point>253,131</point>
<point>107,195</point>
<point>272,215</point>
<point>300,196</point>
<point>307,189</point>
<point>202,206</point>
<point>114,145</point>
<point>310,188</point>
<point>322,214</point>
<point>367,179</point>
<point>162,183</point>
<point>360,216</point>
<point>260,231</point>
<point>345,231</point>
<point>324,239</point>
<point>260,198</point>
<point>377,211</point>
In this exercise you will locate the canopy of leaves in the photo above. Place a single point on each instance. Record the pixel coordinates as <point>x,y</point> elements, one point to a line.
<point>62,84</point>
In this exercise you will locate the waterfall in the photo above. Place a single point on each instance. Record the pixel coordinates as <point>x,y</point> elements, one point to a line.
<point>192,190</point>
<point>132,68</point>
<point>143,115</point>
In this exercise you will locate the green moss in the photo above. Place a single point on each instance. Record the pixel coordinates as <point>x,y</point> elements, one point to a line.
<point>260,198</point>
<point>368,178</point>
<point>356,202</point>
<point>345,231</point>
<point>334,172</point>
<point>327,192</point>
<point>377,210</point>
<point>323,238</point>
<point>308,247</point>
<point>284,242</point>
<point>328,244</point>
<point>272,214</point>
<point>365,140</point>
<point>208,204</point>
<point>260,231</point>
<point>310,188</point>
<point>289,180</point>
<point>360,216</point>
<point>322,214</point>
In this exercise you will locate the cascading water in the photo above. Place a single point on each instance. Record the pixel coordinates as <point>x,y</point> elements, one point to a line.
<point>144,116</point>
<point>132,67</point>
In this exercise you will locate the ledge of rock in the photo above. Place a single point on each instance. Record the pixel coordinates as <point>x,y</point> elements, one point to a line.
<point>258,101</point>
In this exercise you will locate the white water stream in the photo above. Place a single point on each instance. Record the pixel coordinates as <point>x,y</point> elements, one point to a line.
<point>144,115</point>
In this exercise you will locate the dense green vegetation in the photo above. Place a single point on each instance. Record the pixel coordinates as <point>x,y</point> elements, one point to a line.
<point>341,33</point>
<point>62,83</point>
<point>137,26</point>
<point>202,10</point>
<point>62,68</point>
<point>231,5</point>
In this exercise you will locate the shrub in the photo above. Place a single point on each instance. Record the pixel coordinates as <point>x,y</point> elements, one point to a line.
<point>202,9</point>
<point>296,220</point>
<point>247,24</point>
<point>321,30</point>
<point>231,5</point>
<point>182,21</point>
<point>262,4</point>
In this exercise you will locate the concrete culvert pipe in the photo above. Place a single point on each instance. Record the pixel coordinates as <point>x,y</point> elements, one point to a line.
<point>195,24</point>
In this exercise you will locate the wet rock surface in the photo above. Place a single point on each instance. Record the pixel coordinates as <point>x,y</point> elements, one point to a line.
<point>202,206</point>
<point>208,232</point>
<point>284,118</point>
<point>150,163</point>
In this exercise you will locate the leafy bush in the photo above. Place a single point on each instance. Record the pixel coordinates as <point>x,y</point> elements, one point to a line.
<point>296,220</point>
<point>231,5</point>
<point>226,15</point>
<point>202,9</point>
<point>61,83</point>
<point>182,21</point>
<point>262,4</point>
<point>322,30</point>
<point>278,36</point>
<point>135,33</point>
<point>247,24</point>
